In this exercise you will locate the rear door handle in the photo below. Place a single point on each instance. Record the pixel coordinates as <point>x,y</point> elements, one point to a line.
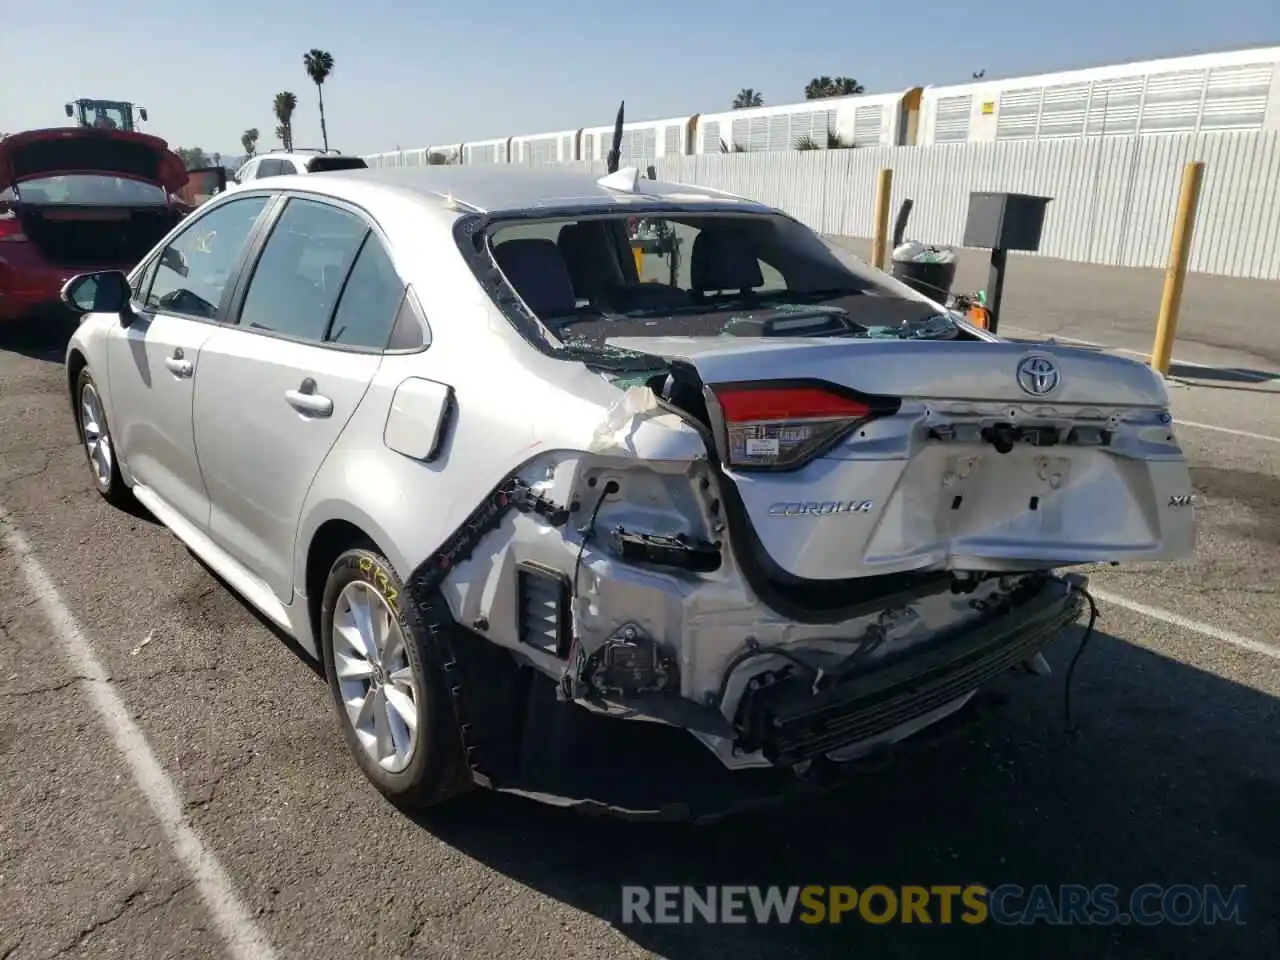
<point>306,400</point>
<point>177,365</point>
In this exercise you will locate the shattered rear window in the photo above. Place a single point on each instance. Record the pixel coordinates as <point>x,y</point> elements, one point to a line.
<point>577,282</point>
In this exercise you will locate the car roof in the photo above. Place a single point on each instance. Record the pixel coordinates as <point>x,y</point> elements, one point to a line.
<point>494,189</point>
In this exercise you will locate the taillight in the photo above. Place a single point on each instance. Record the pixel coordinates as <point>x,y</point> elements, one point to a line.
<point>10,229</point>
<point>781,427</point>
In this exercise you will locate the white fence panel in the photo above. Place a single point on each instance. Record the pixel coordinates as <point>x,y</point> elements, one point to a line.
<point>1113,198</point>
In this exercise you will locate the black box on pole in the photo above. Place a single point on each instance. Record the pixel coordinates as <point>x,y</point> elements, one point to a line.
<point>1005,221</point>
<point>1001,222</point>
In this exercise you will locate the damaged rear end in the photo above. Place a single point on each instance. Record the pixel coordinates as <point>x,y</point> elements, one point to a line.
<point>794,552</point>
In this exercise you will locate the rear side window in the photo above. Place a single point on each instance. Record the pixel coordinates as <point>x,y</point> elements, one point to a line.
<point>269,168</point>
<point>321,164</point>
<point>367,310</point>
<point>300,273</point>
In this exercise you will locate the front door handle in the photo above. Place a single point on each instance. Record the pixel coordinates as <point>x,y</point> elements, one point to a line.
<point>178,365</point>
<point>306,401</point>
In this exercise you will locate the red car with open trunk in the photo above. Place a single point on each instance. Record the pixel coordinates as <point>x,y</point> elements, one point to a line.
<point>74,200</point>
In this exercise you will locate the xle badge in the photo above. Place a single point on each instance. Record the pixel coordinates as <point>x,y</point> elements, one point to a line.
<point>1182,500</point>
<point>827,508</point>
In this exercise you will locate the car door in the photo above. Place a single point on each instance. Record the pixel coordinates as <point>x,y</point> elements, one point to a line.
<point>152,364</point>
<point>278,387</point>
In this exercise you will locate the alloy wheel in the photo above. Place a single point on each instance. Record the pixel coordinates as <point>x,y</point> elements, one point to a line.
<point>97,438</point>
<point>374,675</point>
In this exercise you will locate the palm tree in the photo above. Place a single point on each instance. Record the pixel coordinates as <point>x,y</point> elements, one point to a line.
<point>834,142</point>
<point>747,98</point>
<point>819,88</point>
<point>319,64</point>
<point>284,105</point>
<point>249,141</point>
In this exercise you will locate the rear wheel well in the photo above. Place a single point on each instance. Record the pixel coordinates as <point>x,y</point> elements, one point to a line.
<point>334,538</point>
<point>75,363</point>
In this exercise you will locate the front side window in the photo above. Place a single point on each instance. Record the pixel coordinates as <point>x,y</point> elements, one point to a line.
<point>696,274</point>
<point>197,267</point>
<point>300,273</point>
<point>142,282</point>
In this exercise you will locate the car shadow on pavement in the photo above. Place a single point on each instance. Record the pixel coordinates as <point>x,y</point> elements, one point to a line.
<point>1170,777</point>
<point>45,341</point>
<point>229,591</point>
<point>1240,375</point>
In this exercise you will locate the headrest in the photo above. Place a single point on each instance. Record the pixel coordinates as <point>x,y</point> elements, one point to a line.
<point>589,258</point>
<point>722,259</point>
<point>537,271</point>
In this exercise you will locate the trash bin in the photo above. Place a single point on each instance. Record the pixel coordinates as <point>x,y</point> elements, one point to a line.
<point>928,269</point>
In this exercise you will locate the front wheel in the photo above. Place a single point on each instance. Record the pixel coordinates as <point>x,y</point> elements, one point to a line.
<point>99,446</point>
<point>386,676</point>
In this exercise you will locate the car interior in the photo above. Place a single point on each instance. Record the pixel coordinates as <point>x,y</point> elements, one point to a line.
<point>691,276</point>
<point>588,268</point>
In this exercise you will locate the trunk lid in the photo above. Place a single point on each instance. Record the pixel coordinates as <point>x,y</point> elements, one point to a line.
<point>67,150</point>
<point>960,455</point>
<point>926,369</point>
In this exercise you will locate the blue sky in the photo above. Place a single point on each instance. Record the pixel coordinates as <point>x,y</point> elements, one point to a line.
<point>413,73</point>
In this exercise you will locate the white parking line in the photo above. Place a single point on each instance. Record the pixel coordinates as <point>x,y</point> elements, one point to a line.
<point>231,918</point>
<point>1231,430</point>
<point>1194,626</point>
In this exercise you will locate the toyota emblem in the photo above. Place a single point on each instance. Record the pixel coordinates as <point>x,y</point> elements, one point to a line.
<point>1038,376</point>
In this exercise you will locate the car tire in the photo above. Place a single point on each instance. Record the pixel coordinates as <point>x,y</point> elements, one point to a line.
<point>434,769</point>
<point>98,443</point>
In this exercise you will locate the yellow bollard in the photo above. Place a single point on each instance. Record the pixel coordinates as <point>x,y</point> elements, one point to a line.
<point>637,254</point>
<point>880,239</point>
<point>1176,273</point>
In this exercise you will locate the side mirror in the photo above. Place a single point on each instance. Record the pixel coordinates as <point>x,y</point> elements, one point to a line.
<point>173,259</point>
<point>107,291</point>
<point>70,111</point>
<point>142,112</point>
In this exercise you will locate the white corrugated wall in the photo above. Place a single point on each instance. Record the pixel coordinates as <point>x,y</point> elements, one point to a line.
<point>1114,197</point>
<point>1113,202</point>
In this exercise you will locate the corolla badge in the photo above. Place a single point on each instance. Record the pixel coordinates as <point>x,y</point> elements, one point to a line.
<point>813,508</point>
<point>1038,376</point>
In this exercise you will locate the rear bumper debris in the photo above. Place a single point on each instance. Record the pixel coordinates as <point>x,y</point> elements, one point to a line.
<point>791,724</point>
<point>574,758</point>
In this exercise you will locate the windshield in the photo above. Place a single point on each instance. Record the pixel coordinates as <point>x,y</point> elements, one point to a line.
<point>594,279</point>
<point>87,189</point>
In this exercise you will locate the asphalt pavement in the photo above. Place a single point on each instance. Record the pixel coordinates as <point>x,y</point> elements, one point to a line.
<point>1172,776</point>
